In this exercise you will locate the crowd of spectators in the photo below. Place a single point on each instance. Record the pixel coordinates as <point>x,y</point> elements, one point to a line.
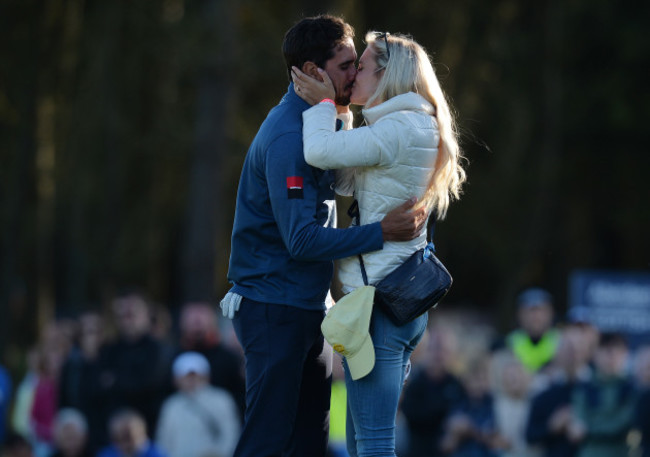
<point>550,388</point>
<point>127,384</point>
<point>139,383</point>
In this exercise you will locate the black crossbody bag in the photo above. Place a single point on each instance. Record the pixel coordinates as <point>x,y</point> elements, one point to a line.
<point>414,287</point>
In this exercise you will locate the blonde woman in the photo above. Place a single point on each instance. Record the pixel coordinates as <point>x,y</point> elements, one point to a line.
<point>407,147</point>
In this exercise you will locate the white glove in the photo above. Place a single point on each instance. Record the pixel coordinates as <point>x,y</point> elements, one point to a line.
<point>230,304</point>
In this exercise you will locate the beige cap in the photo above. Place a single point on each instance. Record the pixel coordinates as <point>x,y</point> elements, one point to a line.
<point>346,327</point>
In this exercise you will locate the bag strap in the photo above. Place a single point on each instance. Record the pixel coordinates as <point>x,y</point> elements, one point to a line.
<point>364,275</point>
<point>353,212</point>
<point>206,417</point>
<point>431,225</point>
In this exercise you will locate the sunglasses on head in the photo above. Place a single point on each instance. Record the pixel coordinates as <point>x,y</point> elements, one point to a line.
<point>384,35</point>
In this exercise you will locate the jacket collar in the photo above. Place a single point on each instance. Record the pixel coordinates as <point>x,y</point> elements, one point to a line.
<point>409,101</point>
<point>293,99</point>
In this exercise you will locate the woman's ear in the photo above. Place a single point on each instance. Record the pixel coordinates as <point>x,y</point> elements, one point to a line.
<point>311,69</point>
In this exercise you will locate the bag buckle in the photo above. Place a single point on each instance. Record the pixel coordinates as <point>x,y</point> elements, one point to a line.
<point>429,250</point>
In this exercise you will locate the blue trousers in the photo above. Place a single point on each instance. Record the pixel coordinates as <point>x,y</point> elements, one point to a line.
<point>288,381</point>
<point>373,399</point>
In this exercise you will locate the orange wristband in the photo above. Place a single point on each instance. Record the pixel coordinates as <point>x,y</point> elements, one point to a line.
<point>328,100</point>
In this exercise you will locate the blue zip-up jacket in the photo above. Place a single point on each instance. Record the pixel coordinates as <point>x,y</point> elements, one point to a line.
<point>283,240</point>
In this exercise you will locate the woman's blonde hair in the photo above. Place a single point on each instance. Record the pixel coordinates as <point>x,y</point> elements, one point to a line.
<point>409,69</point>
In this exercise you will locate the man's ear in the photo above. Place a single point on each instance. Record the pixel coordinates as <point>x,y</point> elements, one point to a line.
<point>311,69</point>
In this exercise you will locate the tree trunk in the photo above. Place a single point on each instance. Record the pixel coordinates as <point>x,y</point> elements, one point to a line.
<point>216,89</point>
<point>18,283</point>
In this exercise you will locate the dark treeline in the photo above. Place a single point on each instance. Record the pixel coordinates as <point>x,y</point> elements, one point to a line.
<point>123,126</point>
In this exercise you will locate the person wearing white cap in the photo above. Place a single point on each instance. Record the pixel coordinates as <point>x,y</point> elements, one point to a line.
<point>408,147</point>
<point>199,419</point>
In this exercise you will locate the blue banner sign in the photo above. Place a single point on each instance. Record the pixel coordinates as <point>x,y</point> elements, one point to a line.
<point>613,301</point>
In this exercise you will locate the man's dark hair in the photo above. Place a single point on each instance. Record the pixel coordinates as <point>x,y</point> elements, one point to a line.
<point>314,39</point>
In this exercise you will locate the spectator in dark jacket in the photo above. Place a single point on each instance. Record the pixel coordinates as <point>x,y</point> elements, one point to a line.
<point>133,369</point>
<point>79,381</point>
<point>431,394</point>
<point>471,428</point>
<point>550,411</point>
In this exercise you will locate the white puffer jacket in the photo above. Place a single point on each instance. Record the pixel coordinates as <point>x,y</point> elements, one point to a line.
<point>393,158</point>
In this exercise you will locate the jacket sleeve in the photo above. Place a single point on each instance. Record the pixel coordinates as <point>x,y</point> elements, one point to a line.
<point>364,146</point>
<point>345,176</point>
<point>294,195</point>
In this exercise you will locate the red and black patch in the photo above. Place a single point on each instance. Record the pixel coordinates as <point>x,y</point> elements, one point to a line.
<point>294,187</point>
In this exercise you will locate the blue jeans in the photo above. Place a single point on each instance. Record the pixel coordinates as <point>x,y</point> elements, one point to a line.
<point>373,399</point>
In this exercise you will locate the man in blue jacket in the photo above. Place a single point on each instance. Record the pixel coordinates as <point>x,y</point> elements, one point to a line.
<point>283,244</point>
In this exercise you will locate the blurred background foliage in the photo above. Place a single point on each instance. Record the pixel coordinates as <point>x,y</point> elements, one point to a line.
<point>124,124</point>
